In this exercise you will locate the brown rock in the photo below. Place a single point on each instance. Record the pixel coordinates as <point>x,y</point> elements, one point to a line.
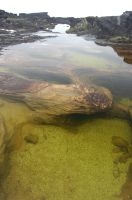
<point>33,139</point>
<point>53,99</point>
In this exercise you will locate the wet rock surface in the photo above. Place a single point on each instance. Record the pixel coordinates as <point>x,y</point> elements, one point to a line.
<point>53,99</point>
<point>16,29</point>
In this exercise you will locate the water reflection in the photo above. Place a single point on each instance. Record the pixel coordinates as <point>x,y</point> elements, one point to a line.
<point>55,59</point>
<point>125,52</point>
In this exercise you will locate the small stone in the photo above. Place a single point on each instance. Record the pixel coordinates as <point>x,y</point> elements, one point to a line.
<point>33,139</point>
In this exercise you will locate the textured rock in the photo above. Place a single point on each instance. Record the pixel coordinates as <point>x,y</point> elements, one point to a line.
<point>105,27</point>
<point>53,99</point>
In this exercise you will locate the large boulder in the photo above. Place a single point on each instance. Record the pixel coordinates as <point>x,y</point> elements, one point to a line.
<point>53,99</point>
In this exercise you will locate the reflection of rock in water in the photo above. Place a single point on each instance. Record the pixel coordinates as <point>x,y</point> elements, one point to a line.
<point>53,99</point>
<point>125,52</point>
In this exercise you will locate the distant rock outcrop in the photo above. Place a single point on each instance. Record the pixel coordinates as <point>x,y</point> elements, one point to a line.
<point>105,27</point>
<point>25,22</point>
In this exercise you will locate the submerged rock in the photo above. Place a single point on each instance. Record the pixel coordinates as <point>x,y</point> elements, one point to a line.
<point>33,139</point>
<point>55,100</point>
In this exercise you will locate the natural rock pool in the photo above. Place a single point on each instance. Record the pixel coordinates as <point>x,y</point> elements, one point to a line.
<point>76,157</point>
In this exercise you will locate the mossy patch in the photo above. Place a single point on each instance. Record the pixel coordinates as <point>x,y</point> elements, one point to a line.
<point>64,165</point>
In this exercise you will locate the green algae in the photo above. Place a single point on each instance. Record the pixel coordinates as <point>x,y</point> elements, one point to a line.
<point>15,114</point>
<point>88,60</point>
<point>64,165</point>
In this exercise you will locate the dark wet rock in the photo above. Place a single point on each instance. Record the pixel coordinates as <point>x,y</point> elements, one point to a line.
<point>66,20</point>
<point>53,99</point>
<point>25,22</point>
<point>17,38</point>
<point>16,29</point>
<point>33,139</point>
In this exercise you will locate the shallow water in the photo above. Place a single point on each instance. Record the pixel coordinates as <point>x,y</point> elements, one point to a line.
<point>73,161</point>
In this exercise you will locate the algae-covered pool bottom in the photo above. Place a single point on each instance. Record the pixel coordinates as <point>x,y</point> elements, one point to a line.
<point>73,163</point>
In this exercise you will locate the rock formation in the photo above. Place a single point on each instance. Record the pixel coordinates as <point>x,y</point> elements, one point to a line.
<point>53,99</point>
<point>25,22</point>
<point>105,27</point>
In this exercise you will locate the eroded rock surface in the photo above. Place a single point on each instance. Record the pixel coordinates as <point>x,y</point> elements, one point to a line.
<point>53,99</point>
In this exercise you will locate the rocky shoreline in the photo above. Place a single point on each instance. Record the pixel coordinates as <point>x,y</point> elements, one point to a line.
<point>16,29</point>
<point>114,31</point>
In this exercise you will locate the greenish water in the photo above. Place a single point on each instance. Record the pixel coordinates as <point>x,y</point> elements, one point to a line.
<point>74,160</point>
